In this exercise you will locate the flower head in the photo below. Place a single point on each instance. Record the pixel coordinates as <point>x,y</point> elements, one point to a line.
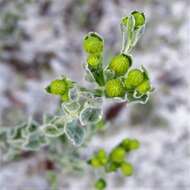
<point>114,88</point>
<point>94,61</point>
<point>93,43</point>
<point>139,19</point>
<point>120,64</point>
<point>144,87</point>
<point>134,78</point>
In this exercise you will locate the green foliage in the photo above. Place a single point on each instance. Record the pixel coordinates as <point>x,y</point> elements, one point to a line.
<point>80,113</point>
<point>75,132</point>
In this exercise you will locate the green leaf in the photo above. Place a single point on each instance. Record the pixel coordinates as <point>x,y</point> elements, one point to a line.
<point>73,94</point>
<point>88,76</point>
<point>60,124</point>
<point>35,141</point>
<point>130,30</point>
<point>16,137</point>
<point>90,115</point>
<point>31,127</point>
<point>75,132</point>
<point>95,102</point>
<point>72,107</point>
<point>48,118</point>
<point>51,130</point>
<point>133,27</point>
<point>109,74</point>
<point>136,35</point>
<point>3,135</point>
<point>142,99</point>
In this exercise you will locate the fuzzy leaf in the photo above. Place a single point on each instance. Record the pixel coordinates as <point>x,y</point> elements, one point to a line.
<point>31,127</point>
<point>47,118</point>
<point>90,115</point>
<point>51,130</point>
<point>73,94</point>
<point>109,74</point>
<point>72,107</point>
<point>143,99</point>
<point>75,132</point>
<point>3,135</point>
<point>35,141</point>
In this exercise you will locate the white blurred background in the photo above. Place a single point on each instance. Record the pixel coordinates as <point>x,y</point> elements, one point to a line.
<point>42,39</point>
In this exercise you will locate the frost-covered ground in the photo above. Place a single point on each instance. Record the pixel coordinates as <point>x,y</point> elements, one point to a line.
<point>48,43</point>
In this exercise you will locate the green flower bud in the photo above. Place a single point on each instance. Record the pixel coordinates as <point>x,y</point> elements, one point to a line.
<point>139,18</point>
<point>101,155</point>
<point>130,144</point>
<point>99,160</point>
<point>93,43</point>
<point>120,64</point>
<point>134,144</point>
<point>124,21</point>
<point>117,155</point>
<point>94,61</point>
<point>95,163</point>
<point>58,87</point>
<point>144,87</point>
<point>114,88</point>
<point>134,78</point>
<point>126,169</point>
<point>100,184</point>
<point>126,144</point>
<point>111,166</point>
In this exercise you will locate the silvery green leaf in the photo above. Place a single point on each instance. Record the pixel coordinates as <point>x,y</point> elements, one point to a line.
<point>16,132</point>
<point>29,128</point>
<point>109,74</point>
<point>47,118</point>
<point>15,136</point>
<point>128,32</point>
<point>89,76</point>
<point>146,75</point>
<point>16,143</point>
<point>136,35</point>
<point>75,132</point>
<point>51,130</point>
<point>35,141</point>
<point>90,115</point>
<point>11,154</point>
<point>130,28</point>
<point>60,124</point>
<point>142,99</point>
<point>3,135</point>
<point>96,102</point>
<point>84,98</point>
<point>72,107</point>
<point>73,94</point>
<point>32,127</point>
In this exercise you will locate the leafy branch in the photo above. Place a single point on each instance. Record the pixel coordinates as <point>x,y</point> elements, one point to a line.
<point>81,114</point>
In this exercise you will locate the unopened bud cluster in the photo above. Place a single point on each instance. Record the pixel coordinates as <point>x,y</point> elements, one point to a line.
<point>116,159</point>
<point>80,113</point>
